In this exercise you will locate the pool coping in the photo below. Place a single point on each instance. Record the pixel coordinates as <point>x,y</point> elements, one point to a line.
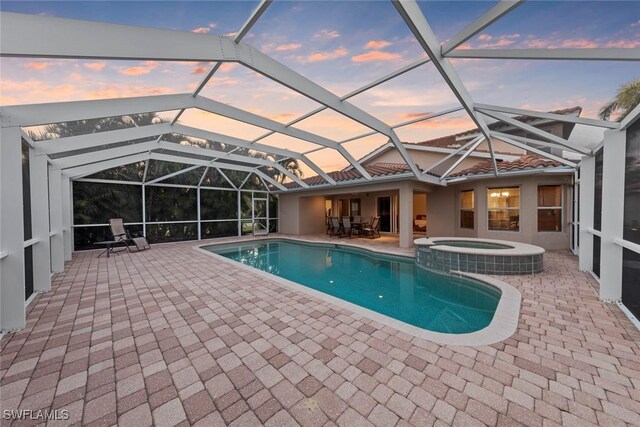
<point>514,249</point>
<point>502,326</point>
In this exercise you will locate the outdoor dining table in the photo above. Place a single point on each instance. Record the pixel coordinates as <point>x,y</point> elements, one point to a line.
<point>359,226</point>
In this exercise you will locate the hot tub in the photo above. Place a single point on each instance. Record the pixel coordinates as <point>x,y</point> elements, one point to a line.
<point>483,256</point>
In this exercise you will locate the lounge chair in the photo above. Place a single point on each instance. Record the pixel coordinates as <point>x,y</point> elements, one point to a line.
<point>259,229</point>
<point>122,235</point>
<point>373,229</point>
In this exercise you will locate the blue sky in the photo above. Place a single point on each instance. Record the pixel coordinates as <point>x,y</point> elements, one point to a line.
<point>344,45</point>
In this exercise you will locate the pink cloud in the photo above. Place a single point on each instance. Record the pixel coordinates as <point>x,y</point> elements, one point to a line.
<point>283,117</point>
<point>38,65</point>
<point>228,66</point>
<point>489,41</point>
<point>629,44</point>
<point>579,43</point>
<point>377,44</point>
<point>199,70</point>
<point>324,56</point>
<point>37,91</point>
<point>409,116</point>
<point>224,81</point>
<point>119,91</point>
<point>287,47</point>
<point>95,66</point>
<point>148,67</point>
<point>376,55</point>
<point>326,34</point>
<point>205,29</point>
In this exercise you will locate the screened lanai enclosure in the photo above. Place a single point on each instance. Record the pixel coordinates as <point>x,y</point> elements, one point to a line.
<point>175,164</point>
<point>168,201</point>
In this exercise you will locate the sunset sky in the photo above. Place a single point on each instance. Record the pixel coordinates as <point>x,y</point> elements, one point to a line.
<point>344,45</point>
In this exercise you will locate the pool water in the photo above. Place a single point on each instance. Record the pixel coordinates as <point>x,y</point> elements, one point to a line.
<point>393,286</point>
<point>472,244</point>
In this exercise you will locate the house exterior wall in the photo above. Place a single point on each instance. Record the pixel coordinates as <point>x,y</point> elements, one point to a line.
<point>528,232</point>
<point>301,215</point>
<point>304,212</point>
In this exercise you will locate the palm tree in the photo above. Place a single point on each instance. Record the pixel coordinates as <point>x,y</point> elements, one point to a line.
<point>627,98</point>
<point>293,166</point>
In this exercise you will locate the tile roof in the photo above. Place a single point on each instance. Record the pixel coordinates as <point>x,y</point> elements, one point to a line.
<point>375,169</point>
<point>387,169</point>
<point>526,162</point>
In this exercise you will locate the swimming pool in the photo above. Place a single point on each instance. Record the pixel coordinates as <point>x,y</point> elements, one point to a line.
<point>389,285</point>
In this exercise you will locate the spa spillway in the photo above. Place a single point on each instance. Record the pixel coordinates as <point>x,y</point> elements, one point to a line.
<point>483,256</point>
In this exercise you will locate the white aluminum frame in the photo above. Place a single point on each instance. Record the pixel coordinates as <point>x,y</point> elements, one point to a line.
<point>56,163</point>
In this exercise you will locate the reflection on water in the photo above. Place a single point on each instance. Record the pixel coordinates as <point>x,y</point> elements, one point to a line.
<point>392,286</point>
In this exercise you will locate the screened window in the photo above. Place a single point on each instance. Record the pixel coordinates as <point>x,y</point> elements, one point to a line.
<point>550,208</point>
<point>597,211</point>
<point>466,209</point>
<point>597,202</point>
<point>504,208</point>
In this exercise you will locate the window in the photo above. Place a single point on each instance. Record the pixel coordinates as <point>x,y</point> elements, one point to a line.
<point>504,208</point>
<point>355,207</point>
<point>550,208</point>
<point>466,209</point>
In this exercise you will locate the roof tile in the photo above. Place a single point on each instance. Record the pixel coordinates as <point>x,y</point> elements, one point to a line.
<point>528,161</point>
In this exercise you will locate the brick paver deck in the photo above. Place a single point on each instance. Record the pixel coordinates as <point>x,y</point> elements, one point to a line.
<point>174,337</point>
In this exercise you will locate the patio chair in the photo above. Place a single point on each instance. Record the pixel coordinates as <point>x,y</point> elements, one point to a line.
<point>336,228</point>
<point>373,229</point>
<point>346,226</point>
<point>123,236</point>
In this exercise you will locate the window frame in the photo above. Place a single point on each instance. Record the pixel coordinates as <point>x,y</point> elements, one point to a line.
<point>461,209</point>
<point>561,207</point>
<point>519,208</point>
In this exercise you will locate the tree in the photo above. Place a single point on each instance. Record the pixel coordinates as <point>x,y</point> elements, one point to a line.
<point>627,98</point>
<point>293,166</point>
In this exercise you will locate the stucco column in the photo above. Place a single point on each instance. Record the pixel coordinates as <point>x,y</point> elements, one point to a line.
<point>12,313</point>
<point>406,215</point>
<point>587,195</point>
<point>55,219</point>
<point>612,214</point>
<point>40,221</point>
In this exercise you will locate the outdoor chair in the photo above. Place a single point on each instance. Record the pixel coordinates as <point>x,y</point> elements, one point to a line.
<point>259,229</point>
<point>346,226</point>
<point>373,229</point>
<point>335,228</point>
<point>123,236</point>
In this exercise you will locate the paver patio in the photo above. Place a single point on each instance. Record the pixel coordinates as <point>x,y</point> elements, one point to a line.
<point>172,336</point>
